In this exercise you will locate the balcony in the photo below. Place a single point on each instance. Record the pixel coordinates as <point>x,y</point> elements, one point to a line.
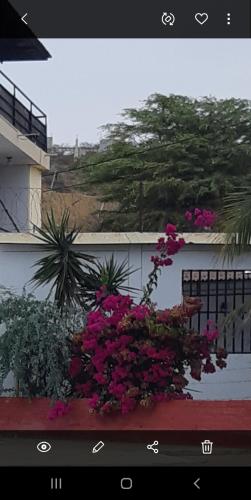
<point>22,113</point>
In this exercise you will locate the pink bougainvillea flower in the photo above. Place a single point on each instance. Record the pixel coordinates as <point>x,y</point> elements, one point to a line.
<point>169,246</point>
<point>94,401</point>
<point>119,373</point>
<point>139,312</point>
<point>211,331</point>
<point>101,293</point>
<point>204,219</point>
<point>199,221</point>
<point>170,228</point>
<point>96,322</point>
<point>90,343</point>
<point>100,378</point>
<point>197,211</point>
<point>188,215</point>
<point>117,390</point>
<point>117,302</point>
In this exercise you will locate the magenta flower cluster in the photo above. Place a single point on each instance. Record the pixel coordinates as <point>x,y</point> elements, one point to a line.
<point>135,355</point>
<point>167,247</point>
<point>202,218</point>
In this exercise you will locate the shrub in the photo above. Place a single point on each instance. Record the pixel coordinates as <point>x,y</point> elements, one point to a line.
<point>35,345</point>
<point>131,354</point>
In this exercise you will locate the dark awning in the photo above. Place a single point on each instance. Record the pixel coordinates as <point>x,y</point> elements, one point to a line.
<point>22,49</point>
<point>17,41</point>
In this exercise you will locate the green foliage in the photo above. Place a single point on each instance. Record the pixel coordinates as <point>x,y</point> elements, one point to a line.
<point>108,274</point>
<point>35,346</point>
<point>235,222</point>
<point>63,266</point>
<point>170,155</point>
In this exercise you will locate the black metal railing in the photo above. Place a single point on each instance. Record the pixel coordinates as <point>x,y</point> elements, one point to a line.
<point>19,110</point>
<point>221,293</point>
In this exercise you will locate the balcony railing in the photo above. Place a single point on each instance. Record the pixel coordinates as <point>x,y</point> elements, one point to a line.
<point>19,110</point>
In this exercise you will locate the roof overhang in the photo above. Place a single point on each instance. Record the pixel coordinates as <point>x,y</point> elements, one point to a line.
<point>23,49</point>
<point>17,41</point>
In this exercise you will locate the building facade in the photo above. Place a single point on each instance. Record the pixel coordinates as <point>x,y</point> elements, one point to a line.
<point>23,144</point>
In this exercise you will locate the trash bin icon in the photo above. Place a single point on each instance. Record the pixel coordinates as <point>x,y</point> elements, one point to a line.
<point>207,447</point>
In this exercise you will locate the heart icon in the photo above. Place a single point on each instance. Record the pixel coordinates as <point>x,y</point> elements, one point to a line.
<point>201,17</point>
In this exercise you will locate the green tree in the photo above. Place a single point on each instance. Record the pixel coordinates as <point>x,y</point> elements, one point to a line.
<point>171,154</point>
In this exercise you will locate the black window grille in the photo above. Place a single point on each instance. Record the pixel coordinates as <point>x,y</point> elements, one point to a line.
<point>221,293</point>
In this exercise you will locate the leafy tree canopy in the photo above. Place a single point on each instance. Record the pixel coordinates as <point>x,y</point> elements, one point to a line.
<point>171,154</point>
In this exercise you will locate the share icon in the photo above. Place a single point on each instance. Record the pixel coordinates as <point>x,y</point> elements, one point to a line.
<point>153,447</point>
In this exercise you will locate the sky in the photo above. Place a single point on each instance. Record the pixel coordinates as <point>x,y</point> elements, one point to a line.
<point>88,83</point>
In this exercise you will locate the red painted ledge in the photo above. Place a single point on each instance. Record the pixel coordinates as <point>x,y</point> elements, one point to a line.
<point>22,414</point>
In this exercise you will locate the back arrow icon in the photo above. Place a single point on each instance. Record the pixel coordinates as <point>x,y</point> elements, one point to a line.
<point>196,483</point>
<point>23,18</point>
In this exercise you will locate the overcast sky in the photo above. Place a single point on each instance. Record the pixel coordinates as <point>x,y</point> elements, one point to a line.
<point>87,83</point>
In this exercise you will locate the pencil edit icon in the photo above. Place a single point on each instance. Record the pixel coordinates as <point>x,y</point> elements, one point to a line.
<point>98,447</point>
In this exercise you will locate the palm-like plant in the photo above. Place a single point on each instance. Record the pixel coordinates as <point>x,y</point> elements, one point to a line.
<point>63,266</point>
<point>108,274</point>
<point>235,222</point>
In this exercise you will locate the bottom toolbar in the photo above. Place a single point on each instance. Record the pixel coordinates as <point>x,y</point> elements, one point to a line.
<point>111,448</point>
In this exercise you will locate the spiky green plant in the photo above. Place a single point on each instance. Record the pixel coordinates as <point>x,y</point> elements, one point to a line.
<point>63,266</point>
<point>235,222</point>
<point>110,274</point>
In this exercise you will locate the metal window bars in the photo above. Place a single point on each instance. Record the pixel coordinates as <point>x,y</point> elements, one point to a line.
<point>222,292</point>
<point>21,112</point>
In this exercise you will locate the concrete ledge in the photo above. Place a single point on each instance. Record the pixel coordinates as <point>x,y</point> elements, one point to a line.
<point>21,414</point>
<point>117,238</point>
<point>24,150</point>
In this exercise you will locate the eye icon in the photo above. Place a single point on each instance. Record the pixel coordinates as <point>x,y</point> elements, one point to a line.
<point>44,447</point>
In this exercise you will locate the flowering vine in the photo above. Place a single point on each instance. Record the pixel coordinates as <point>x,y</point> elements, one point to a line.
<point>167,247</point>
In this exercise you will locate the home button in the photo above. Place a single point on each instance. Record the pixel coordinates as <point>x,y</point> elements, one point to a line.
<point>126,483</point>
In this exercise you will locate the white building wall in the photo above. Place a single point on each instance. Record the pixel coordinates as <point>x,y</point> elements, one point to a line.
<point>14,193</point>
<point>35,195</point>
<point>20,192</point>
<point>234,382</point>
